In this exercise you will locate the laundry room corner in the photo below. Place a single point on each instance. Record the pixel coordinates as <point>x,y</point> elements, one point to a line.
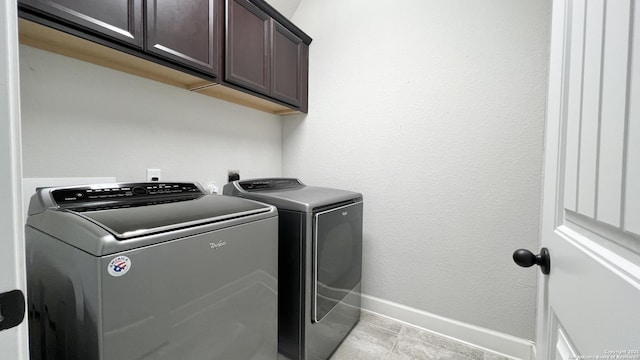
<point>320,179</point>
<point>441,128</point>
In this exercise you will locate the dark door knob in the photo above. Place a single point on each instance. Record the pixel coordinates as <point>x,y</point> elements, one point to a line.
<point>11,309</point>
<point>526,258</point>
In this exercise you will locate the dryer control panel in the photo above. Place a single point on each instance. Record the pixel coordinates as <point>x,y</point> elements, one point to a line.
<point>270,184</point>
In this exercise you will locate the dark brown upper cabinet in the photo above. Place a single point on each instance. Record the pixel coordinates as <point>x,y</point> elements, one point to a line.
<point>288,59</point>
<point>117,19</point>
<point>266,53</point>
<point>242,51</point>
<point>248,46</point>
<point>186,31</point>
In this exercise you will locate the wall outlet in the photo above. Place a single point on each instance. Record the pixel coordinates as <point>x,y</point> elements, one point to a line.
<point>233,175</point>
<point>153,174</point>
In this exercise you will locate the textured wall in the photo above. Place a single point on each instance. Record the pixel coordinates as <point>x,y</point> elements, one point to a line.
<point>79,119</point>
<point>435,111</point>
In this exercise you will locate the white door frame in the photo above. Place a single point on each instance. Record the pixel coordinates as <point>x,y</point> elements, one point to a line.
<point>13,342</point>
<point>592,117</point>
<point>553,134</point>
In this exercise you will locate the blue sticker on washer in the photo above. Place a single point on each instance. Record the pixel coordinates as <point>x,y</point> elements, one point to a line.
<point>119,266</point>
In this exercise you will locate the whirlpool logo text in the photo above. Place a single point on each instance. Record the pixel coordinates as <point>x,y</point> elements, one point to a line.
<point>217,245</point>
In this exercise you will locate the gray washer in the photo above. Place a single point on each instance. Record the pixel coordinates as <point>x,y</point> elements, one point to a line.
<point>150,271</point>
<point>320,261</point>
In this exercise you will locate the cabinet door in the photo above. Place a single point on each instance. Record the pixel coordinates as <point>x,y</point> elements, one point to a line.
<point>248,46</point>
<point>117,19</point>
<point>186,32</point>
<point>287,61</point>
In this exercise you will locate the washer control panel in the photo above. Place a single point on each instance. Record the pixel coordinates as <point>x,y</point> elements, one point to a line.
<point>123,192</point>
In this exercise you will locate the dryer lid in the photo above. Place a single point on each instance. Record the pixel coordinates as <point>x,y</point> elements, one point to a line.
<point>290,194</point>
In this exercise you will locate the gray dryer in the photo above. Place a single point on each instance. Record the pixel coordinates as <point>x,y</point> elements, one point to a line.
<point>150,271</point>
<point>320,262</point>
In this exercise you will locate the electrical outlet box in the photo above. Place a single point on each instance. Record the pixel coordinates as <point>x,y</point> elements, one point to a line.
<point>153,174</point>
<point>233,175</point>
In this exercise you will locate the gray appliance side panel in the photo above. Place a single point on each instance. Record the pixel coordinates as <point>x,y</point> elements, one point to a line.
<point>291,283</point>
<point>309,332</point>
<point>63,299</point>
<point>72,229</point>
<point>207,296</point>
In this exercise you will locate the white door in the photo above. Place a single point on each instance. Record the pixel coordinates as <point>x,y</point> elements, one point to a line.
<point>589,305</point>
<point>13,341</point>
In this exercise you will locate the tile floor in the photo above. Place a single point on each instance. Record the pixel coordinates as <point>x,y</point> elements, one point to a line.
<point>381,338</point>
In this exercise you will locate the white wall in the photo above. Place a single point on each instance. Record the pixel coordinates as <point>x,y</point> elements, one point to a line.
<point>83,120</point>
<point>435,111</point>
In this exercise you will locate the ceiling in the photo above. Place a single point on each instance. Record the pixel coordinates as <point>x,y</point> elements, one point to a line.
<point>285,7</point>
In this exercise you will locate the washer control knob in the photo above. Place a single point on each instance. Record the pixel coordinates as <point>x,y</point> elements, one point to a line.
<point>138,190</point>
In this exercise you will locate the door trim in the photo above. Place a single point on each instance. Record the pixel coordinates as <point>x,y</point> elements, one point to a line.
<point>16,339</point>
<point>579,245</point>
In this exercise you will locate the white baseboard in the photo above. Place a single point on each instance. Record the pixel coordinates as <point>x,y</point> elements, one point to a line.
<point>475,336</point>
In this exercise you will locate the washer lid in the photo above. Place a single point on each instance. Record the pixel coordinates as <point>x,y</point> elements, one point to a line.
<point>129,222</point>
<point>129,210</point>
